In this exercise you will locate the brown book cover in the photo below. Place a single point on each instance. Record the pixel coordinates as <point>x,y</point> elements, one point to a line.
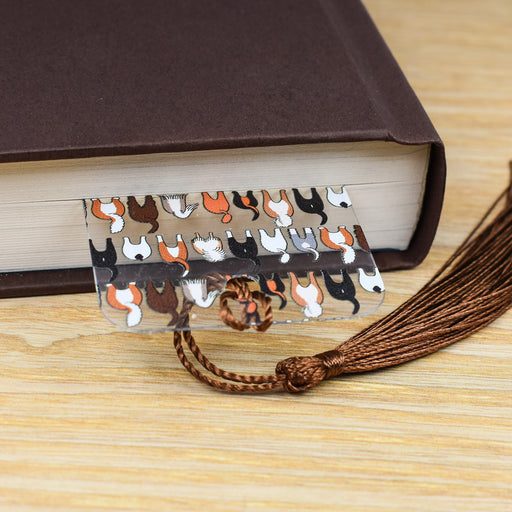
<point>111,77</point>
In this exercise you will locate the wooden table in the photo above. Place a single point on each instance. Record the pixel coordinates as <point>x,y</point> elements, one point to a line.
<point>92,418</point>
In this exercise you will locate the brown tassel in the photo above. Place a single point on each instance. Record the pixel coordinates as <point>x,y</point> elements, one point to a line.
<point>471,290</point>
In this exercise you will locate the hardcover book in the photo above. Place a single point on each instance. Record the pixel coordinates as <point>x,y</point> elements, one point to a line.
<point>122,98</point>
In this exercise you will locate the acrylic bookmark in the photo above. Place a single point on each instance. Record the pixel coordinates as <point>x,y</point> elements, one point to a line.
<point>302,247</point>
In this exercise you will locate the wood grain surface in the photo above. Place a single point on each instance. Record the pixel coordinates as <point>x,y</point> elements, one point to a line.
<point>92,418</point>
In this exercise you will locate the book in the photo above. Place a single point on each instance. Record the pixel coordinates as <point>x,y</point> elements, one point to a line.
<point>120,98</point>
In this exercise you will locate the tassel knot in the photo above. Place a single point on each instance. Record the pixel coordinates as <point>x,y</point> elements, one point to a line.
<point>302,373</point>
<point>333,361</point>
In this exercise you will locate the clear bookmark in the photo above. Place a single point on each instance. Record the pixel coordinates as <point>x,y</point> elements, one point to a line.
<point>157,257</point>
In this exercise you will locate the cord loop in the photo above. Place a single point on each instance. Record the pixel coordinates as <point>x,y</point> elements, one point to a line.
<point>238,289</point>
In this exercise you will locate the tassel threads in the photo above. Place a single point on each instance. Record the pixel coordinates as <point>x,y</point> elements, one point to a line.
<point>471,290</point>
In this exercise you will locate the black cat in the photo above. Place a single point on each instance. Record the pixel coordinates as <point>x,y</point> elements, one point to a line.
<point>342,291</point>
<point>312,205</point>
<point>106,258</point>
<point>247,250</point>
